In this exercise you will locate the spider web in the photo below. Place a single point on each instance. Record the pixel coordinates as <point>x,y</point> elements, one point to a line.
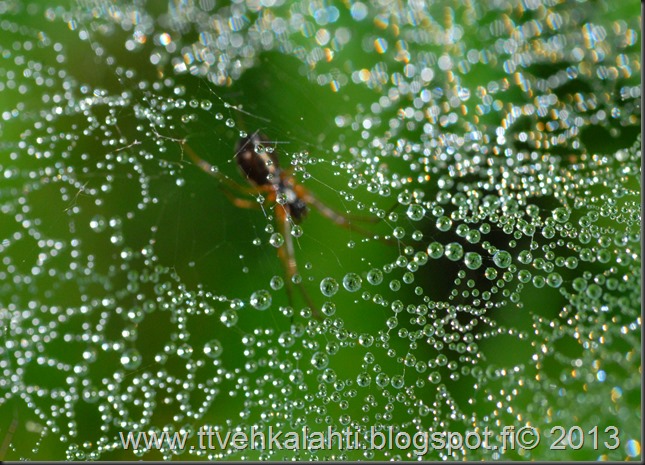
<point>487,155</point>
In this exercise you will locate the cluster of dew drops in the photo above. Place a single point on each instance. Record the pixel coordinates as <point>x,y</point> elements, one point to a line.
<point>484,213</point>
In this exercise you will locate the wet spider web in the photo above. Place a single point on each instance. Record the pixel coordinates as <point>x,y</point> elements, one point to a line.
<point>497,145</point>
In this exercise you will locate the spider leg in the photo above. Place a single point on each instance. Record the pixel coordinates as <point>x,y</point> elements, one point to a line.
<point>341,219</point>
<point>228,183</point>
<point>242,203</point>
<point>286,253</point>
<point>9,435</point>
<point>213,171</point>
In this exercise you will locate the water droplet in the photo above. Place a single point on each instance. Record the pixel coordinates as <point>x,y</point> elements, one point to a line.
<point>363,379</point>
<point>276,283</point>
<point>561,214</point>
<point>131,359</point>
<point>416,212</point>
<point>571,262</point>
<point>399,232</point>
<point>319,360</point>
<point>382,380</point>
<point>329,287</point>
<point>185,351</point>
<point>229,318</point>
<point>454,251</point>
<point>281,198</point>
<point>435,250</point>
<point>366,340</point>
<point>594,291</point>
<point>554,280</point>
<point>490,273</point>
<point>502,259</point>
<point>524,276</point>
<point>548,232</point>
<point>473,236</point>
<point>404,198</point>
<point>472,260</point>
<point>296,377</point>
<point>213,348</point>
<point>375,277</point>
<point>444,223</point>
<point>328,308</point>
<point>98,223</point>
<point>525,257</point>
<point>397,381</point>
<point>579,284</point>
<point>296,230</point>
<point>261,300</point>
<point>276,240</point>
<point>352,282</point>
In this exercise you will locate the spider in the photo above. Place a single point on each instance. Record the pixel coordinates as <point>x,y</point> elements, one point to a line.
<point>261,168</point>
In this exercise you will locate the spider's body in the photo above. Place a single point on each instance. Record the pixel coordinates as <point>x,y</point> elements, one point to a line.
<point>261,168</point>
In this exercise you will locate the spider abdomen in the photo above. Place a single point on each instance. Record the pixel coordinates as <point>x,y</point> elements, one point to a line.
<point>259,165</point>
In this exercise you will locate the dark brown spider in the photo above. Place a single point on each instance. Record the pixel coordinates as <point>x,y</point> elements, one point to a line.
<point>261,168</point>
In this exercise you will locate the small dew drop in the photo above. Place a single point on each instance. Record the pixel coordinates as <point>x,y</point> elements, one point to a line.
<point>454,251</point>
<point>261,300</point>
<point>320,360</point>
<point>444,223</point>
<point>472,260</point>
<point>435,250</point>
<point>98,223</point>
<point>363,379</point>
<point>328,308</point>
<point>276,283</point>
<point>213,349</point>
<point>352,282</point>
<point>554,280</point>
<point>276,240</point>
<point>229,318</point>
<point>398,232</point>
<point>329,287</point>
<point>296,230</point>
<point>416,212</point>
<point>131,359</point>
<point>375,277</point>
<point>561,214</point>
<point>502,259</point>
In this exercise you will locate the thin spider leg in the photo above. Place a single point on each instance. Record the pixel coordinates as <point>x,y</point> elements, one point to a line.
<point>333,214</point>
<point>286,253</point>
<point>213,171</point>
<point>9,435</point>
<point>326,211</point>
<point>339,218</point>
<point>310,303</point>
<point>242,203</point>
<point>228,183</point>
